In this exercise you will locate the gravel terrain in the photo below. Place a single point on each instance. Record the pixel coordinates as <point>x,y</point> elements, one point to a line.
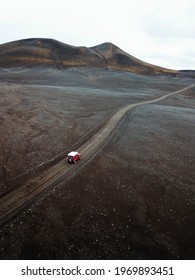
<point>133,200</point>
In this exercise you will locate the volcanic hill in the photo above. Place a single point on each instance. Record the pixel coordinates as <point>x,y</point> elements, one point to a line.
<point>52,53</point>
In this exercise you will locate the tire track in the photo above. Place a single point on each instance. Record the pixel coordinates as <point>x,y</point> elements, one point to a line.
<point>18,199</point>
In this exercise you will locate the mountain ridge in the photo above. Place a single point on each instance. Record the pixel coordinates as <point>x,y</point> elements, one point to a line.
<point>52,53</point>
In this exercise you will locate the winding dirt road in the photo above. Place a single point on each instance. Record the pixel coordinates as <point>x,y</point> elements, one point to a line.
<point>18,199</point>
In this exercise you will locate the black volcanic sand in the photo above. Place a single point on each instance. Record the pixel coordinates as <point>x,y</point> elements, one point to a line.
<point>46,113</point>
<point>134,200</point>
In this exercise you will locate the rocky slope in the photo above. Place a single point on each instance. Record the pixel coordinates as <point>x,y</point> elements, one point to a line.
<point>52,53</point>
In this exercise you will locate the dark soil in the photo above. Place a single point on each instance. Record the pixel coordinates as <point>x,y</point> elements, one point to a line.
<point>134,200</point>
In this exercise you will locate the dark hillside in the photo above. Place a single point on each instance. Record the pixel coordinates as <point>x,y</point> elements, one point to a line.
<point>52,53</point>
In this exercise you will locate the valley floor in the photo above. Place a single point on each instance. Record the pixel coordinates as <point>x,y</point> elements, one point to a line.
<point>134,200</point>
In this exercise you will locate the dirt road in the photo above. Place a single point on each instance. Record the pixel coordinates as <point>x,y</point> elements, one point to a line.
<point>13,202</point>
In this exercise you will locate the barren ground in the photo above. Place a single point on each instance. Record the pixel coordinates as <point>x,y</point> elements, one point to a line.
<point>135,198</point>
